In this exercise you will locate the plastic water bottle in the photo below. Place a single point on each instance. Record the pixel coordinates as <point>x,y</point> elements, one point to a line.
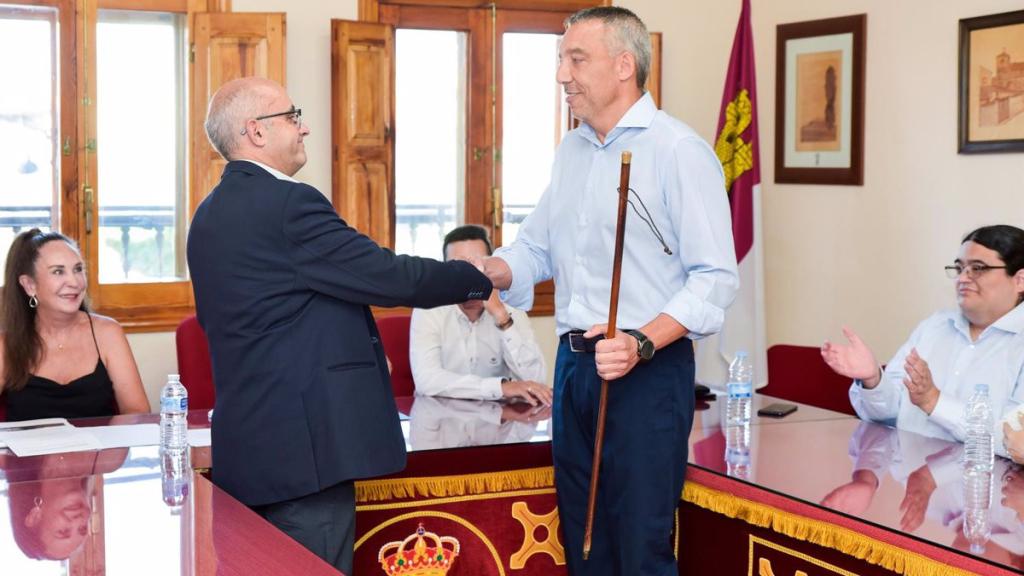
<point>737,451</point>
<point>175,478</point>
<point>740,390</point>
<point>977,501</point>
<point>173,415</point>
<point>978,447</point>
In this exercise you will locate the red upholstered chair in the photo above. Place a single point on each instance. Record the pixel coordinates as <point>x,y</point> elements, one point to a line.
<point>194,363</point>
<point>798,373</point>
<point>394,335</point>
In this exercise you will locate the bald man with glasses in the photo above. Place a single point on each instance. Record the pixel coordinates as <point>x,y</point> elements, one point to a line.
<point>283,288</point>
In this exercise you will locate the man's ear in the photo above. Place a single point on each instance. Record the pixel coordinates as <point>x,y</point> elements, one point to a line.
<point>626,66</point>
<point>254,132</point>
<point>1018,280</point>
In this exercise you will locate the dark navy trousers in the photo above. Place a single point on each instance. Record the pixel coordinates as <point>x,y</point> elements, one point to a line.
<point>643,461</point>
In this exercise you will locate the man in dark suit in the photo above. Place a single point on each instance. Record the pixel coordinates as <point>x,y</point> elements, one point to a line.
<point>282,288</point>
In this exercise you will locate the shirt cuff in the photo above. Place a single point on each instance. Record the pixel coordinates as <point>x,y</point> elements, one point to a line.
<point>520,293</point>
<point>492,388</point>
<point>949,413</point>
<point>700,317</point>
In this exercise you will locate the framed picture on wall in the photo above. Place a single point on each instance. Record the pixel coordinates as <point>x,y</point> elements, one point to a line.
<point>819,101</point>
<point>992,83</point>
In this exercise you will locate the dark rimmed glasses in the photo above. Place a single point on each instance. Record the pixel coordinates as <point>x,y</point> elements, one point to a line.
<point>973,270</point>
<point>295,115</point>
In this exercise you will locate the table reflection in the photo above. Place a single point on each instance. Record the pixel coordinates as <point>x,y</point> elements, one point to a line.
<point>981,511</point>
<point>54,509</point>
<point>436,422</point>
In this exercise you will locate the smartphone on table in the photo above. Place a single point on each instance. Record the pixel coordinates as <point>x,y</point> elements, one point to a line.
<point>777,410</point>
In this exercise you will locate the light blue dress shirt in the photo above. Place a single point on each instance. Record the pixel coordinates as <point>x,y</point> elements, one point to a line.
<point>571,234</point>
<point>943,340</point>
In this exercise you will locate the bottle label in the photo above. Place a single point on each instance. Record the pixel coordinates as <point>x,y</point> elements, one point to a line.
<point>740,389</point>
<point>174,405</point>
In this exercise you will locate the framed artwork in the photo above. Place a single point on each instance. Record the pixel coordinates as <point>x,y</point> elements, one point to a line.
<point>819,101</point>
<point>992,83</point>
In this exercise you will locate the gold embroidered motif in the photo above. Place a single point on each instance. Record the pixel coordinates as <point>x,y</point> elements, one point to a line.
<point>530,521</point>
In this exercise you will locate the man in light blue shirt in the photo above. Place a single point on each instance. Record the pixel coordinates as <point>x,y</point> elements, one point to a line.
<point>678,277</point>
<point>927,384</point>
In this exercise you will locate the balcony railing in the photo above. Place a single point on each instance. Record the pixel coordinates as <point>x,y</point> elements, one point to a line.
<point>123,218</point>
<point>159,219</point>
<point>440,216</point>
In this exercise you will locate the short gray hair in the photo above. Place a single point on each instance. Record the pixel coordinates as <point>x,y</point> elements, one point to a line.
<point>630,35</point>
<point>235,103</point>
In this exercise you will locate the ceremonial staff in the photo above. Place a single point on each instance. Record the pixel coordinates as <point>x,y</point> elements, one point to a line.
<point>613,307</point>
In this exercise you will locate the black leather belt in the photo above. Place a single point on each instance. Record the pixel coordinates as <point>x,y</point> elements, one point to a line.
<point>577,343</point>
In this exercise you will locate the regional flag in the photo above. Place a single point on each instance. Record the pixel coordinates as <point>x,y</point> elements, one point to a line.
<point>737,148</point>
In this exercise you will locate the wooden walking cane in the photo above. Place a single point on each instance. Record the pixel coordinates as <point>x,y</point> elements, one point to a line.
<point>613,308</point>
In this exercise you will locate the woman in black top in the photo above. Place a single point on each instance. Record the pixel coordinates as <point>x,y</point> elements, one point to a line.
<point>59,360</point>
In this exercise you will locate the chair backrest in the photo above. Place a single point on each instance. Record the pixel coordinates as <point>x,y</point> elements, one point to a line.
<point>194,363</point>
<point>799,373</point>
<point>394,335</point>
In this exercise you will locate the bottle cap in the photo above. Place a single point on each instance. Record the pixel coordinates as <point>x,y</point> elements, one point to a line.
<point>981,388</point>
<point>173,378</point>
<point>741,353</point>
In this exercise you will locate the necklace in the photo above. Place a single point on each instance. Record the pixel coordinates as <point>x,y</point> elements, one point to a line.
<point>59,344</point>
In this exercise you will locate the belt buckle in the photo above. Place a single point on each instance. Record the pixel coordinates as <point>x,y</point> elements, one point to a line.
<point>577,343</point>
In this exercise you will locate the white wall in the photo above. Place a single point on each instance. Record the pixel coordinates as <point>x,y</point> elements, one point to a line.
<point>870,255</point>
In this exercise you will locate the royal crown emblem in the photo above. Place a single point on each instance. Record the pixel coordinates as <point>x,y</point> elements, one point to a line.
<point>414,556</point>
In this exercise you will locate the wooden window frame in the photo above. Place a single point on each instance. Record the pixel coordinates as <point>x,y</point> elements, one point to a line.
<point>485,22</point>
<point>140,307</point>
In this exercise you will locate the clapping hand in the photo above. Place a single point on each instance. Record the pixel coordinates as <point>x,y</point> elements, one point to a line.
<point>1013,440</point>
<point>918,381</point>
<point>853,360</point>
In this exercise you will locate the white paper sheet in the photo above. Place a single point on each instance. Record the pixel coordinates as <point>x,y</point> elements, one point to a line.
<point>199,437</point>
<point>50,440</point>
<point>10,427</point>
<point>127,436</point>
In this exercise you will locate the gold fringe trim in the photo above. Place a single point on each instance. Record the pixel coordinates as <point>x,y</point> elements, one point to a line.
<point>445,486</point>
<point>844,540</point>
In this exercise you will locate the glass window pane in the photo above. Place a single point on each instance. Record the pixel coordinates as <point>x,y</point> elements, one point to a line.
<point>141,188</point>
<point>533,116</point>
<point>29,124</point>
<point>430,137</point>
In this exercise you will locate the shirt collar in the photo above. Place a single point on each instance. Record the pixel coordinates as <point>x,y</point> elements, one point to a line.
<point>273,172</point>
<point>639,115</point>
<point>1012,322</point>
<point>461,315</point>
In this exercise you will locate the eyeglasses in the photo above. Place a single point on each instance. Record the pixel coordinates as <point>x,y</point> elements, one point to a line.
<point>294,113</point>
<point>973,269</point>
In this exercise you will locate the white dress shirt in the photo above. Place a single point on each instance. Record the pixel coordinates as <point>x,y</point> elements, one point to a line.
<point>455,357</point>
<point>943,340</point>
<point>570,235</point>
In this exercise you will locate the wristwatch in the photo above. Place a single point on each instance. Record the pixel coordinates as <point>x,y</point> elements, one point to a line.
<point>644,346</point>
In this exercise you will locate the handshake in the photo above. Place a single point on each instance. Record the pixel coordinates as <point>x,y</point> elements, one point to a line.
<point>496,270</point>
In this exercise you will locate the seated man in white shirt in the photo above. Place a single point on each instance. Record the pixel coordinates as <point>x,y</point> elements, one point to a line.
<point>480,350</point>
<point>927,384</point>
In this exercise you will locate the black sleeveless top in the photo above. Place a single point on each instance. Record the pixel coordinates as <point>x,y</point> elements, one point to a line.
<point>84,397</point>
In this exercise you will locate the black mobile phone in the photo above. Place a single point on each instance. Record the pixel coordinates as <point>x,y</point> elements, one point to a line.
<point>777,410</point>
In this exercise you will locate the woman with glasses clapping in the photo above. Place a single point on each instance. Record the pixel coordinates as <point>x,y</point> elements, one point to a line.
<point>926,385</point>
